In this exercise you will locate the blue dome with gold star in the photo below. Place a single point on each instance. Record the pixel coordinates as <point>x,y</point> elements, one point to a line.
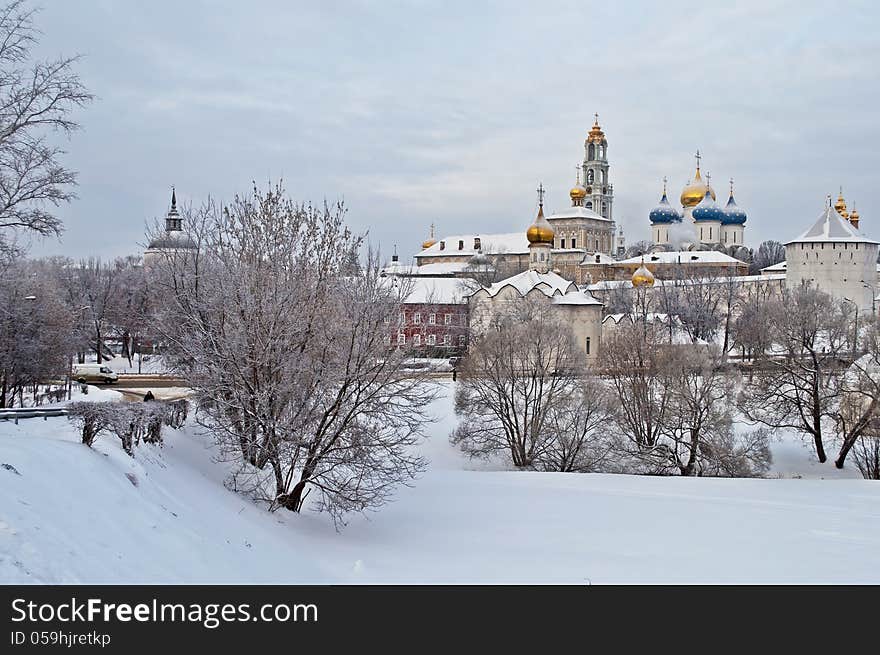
<point>708,210</point>
<point>733,213</point>
<point>664,212</point>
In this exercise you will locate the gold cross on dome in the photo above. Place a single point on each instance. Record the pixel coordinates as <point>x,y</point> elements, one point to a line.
<point>541,193</point>
<point>698,158</point>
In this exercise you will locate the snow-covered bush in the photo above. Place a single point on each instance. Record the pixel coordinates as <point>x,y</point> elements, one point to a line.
<point>130,422</point>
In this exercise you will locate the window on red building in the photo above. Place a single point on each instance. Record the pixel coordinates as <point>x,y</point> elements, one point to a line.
<point>432,339</point>
<point>432,319</point>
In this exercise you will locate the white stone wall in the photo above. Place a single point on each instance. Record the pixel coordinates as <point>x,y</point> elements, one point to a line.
<point>660,232</point>
<point>837,268</point>
<point>732,235</point>
<point>708,231</point>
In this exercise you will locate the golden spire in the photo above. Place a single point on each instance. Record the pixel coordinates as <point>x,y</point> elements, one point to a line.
<point>578,192</point>
<point>596,134</point>
<point>431,241</point>
<point>854,217</point>
<point>643,277</point>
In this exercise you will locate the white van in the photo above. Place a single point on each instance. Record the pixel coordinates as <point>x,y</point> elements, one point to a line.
<point>94,373</point>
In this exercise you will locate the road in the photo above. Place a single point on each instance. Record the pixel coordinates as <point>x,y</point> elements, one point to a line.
<point>163,387</point>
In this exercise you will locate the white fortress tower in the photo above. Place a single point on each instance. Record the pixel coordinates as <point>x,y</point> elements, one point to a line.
<point>836,258</point>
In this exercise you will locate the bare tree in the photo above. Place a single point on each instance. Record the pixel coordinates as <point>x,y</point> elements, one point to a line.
<point>631,360</point>
<point>639,248</point>
<point>619,300</point>
<point>511,384</point>
<point>578,427</point>
<point>93,285</point>
<point>699,425</point>
<point>131,306</point>
<point>857,415</point>
<point>751,327</point>
<point>767,254</point>
<point>35,330</point>
<point>809,330</point>
<point>37,99</point>
<point>284,344</point>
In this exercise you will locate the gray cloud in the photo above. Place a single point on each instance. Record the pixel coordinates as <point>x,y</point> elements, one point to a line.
<point>451,113</point>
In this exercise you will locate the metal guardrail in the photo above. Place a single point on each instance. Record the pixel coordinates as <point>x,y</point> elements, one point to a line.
<point>16,413</point>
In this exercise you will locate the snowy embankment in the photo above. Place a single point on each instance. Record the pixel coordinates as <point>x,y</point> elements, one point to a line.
<point>69,514</point>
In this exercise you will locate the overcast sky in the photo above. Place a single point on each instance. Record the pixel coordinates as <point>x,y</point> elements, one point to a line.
<point>453,112</point>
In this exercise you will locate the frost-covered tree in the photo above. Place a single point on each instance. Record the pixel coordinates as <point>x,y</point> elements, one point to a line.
<point>132,305</point>
<point>632,361</point>
<point>284,345</point>
<point>798,391</point>
<point>767,254</point>
<point>92,288</point>
<point>751,326</point>
<point>37,99</point>
<point>673,410</point>
<point>857,414</point>
<point>35,329</point>
<point>639,248</point>
<point>518,380</point>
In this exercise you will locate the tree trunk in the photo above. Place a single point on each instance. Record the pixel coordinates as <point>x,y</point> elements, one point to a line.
<point>820,449</point>
<point>294,500</point>
<point>845,447</point>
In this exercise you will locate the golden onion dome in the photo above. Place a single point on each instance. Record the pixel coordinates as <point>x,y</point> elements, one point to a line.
<point>578,192</point>
<point>540,231</point>
<point>643,277</point>
<point>430,241</point>
<point>854,216</point>
<point>693,193</point>
<point>840,205</point>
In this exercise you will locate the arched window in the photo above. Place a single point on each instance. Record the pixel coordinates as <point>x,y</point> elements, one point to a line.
<point>591,152</point>
<point>589,204</point>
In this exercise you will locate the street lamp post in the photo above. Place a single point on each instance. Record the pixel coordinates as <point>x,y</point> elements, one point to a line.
<point>856,329</point>
<point>873,291</point>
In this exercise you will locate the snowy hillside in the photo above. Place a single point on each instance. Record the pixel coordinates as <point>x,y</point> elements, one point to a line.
<point>69,514</point>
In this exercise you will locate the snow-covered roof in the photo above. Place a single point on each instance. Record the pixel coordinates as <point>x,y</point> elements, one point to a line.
<point>528,280</point>
<point>831,227</point>
<point>576,298</point>
<point>598,258</point>
<point>779,267</point>
<point>513,242</point>
<point>437,269</point>
<point>608,285</point>
<point>578,212</point>
<point>683,257</point>
<point>650,317</point>
<point>435,290</point>
<point>550,284</point>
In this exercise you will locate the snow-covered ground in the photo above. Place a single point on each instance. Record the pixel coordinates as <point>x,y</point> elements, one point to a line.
<point>69,514</point>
